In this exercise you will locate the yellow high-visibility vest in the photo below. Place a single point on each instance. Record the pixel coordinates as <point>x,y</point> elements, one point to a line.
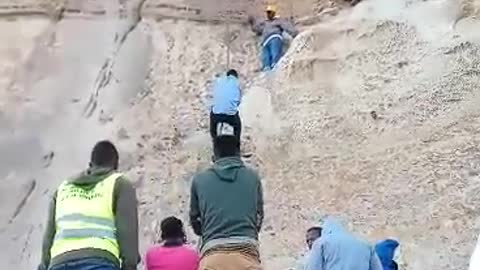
<point>84,218</point>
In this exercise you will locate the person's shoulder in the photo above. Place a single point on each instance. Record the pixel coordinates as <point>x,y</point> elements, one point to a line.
<point>221,80</point>
<point>319,242</point>
<point>153,253</point>
<point>124,188</point>
<point>250,176</point>
<point>153,249</point>
<point>191,253</point>
<point>124,182</point>
<point>202,175</point>
<point>252,172</point>
<point>232,81</point>
<point>72,178</point>
<point>190,250</point>
<point>217,82</point>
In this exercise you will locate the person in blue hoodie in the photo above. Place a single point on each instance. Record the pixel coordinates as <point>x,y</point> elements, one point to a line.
<point>386,251</point>
<point>338,249</point>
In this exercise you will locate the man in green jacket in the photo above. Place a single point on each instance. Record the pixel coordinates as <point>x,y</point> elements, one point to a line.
<point>92,221</point>
<point>226,208</point>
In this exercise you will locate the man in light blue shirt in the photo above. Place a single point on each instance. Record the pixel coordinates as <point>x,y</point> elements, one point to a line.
<point>226,99</point>
<point>338,249</point>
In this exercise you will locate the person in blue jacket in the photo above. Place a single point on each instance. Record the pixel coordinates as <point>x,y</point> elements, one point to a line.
<point>338,249</point>
<point>386,251</point>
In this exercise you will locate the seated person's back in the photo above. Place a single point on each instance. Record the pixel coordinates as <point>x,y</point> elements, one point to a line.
<point>339,249</point>
<point>173,253</point>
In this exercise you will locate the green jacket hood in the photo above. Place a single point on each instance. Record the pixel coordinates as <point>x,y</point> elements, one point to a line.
<point>227,168</point>
<point>92,175</point>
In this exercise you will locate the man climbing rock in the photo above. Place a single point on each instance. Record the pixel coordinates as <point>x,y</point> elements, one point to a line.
<point>226,99</point>
<point>338,249</point>
<point>271,31</point>
<point>226,208</point>
<point>92,222</point>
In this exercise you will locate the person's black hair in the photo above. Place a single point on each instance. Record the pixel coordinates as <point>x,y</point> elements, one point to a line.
<point>317,229</point>
<point>226,146</point>
<point>104,154</point>
<point>232,72</point>
<point>172,228</point>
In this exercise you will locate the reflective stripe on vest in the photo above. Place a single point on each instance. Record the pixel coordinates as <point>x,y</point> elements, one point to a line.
<point>85,233</point>
<point>85,219</point>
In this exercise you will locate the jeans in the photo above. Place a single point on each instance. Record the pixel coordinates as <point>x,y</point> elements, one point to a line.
<point>271,53</point>
<point>86,264</point>
<point>233,120</point>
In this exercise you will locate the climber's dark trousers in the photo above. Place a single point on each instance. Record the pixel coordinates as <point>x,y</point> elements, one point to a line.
<point>233,120</point>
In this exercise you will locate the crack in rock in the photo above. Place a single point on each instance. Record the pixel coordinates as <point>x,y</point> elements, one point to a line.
<point>105,74</point>
<point>21,205</point>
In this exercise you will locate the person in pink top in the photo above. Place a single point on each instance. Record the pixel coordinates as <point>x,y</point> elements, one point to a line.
<point>173,253</point>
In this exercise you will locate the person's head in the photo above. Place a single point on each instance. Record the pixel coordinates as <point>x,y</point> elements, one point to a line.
<point>225,144</point>
<point>104,154</point>
<point>271,12</point>
<point>172,229</point>
<point>313,234</point>
<point>232,72</point>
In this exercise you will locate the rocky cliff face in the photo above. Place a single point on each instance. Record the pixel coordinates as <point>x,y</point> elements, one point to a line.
<point>371,116</point>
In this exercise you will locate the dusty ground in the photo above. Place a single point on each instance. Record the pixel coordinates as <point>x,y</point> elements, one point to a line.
<point>371,116</point>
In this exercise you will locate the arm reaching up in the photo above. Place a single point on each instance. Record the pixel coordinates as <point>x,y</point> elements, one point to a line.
<point>257,26</point>
<point>288,27</point>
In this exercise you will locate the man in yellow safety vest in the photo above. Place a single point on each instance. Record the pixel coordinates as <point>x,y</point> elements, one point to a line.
<point>92,221</point>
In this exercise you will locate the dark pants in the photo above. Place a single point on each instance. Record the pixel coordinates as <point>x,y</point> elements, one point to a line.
<point>86,264</point>
<point>233,120</point>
